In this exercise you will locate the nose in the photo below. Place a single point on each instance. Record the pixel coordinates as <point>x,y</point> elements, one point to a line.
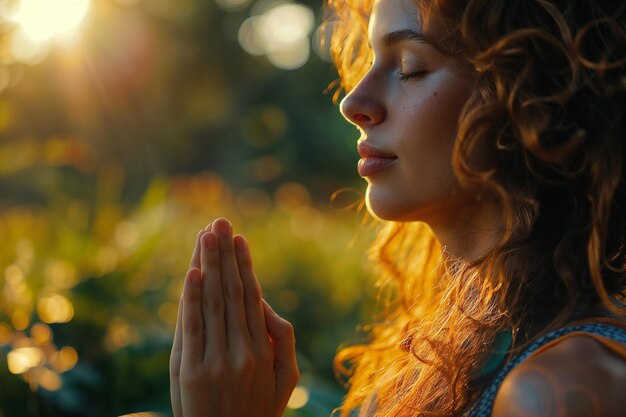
<point>362,106</point>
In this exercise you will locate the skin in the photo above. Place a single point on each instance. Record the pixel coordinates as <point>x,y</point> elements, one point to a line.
<point>234,357</point>
<point>408,104</point>
<point>577,377</point>
<point>229,344</point>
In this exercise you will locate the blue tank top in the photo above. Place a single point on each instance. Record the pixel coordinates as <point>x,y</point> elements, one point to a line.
<point>484,404</point>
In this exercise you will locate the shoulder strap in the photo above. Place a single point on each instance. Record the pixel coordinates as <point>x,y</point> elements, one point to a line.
<point>614,346</point>
<point>609,328</point>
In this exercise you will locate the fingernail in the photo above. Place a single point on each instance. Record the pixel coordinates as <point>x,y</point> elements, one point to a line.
<point>224,228</point>
<point>240,244</point>
<point>211,241</point>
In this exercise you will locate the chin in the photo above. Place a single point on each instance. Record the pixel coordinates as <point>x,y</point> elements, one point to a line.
<point>386,208</point>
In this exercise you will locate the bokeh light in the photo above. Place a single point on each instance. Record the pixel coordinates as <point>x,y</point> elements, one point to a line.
<point>281,33</point>
<point>125,126</point>
<point>55,308</point>
<point>23,359</point>
<point>20,319</point>
<point>41,334</point>
<point>60,274</point>
<point>126,234</point>
<point>64,359</point>
<point>5,334</point>
<point>120,334</point>
<point>291,196</point>
<point>233,5</point>
<point>299,397</point>
<point>48,379</point>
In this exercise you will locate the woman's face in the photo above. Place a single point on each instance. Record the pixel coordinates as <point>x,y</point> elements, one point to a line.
<point>407,107</point>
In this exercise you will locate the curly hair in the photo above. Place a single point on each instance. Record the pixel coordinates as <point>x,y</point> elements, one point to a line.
<point>549,105</point>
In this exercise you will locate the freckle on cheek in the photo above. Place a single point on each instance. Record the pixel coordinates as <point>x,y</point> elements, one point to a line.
<point>435,94</point>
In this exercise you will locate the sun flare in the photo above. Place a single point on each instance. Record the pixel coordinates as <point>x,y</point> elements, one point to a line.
<point>41,20</point>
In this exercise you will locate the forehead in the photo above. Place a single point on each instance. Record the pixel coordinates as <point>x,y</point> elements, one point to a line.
<point>392,15</point>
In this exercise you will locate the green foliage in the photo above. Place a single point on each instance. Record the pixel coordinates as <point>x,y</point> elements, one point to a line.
<point>114,152</point>
<point>121,273</point>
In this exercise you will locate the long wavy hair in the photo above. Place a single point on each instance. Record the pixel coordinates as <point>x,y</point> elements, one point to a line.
<point>548,104</point>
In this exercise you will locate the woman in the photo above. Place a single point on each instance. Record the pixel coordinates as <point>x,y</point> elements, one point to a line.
<point>492,145</point>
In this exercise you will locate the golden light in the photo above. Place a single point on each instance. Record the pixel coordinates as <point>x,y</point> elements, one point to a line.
<point>233,5</point>
<point>48,379</point>
<point>65,359</point>
<point>20,319</point>
<point>281,33</point>
<point>120,334</point>
<point>61,274</point>
<point>13,274</point>
<point>126,234</point>
<point>22,359</point>
<point>5,334</point>
<point>41,20</point>
<point>55,309</point>
<point>27,50</point>
<point>25,252</point>
<point>41,334</point>
<point>299,398</point>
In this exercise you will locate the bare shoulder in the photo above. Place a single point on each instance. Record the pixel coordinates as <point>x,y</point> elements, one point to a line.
<point>577,377</point>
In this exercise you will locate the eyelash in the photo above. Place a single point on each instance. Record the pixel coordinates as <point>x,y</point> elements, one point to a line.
<point>411,75</point>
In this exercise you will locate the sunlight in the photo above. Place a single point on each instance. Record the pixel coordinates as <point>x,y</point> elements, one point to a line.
<point>41,20</point>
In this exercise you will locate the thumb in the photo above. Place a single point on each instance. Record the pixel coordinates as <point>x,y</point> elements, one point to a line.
<point>284,341</point>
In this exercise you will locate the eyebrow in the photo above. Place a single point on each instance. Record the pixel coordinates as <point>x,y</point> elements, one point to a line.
<point>394,37</point>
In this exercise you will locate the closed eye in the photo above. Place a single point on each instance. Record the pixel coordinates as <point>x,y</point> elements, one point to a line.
<point>411,75</point>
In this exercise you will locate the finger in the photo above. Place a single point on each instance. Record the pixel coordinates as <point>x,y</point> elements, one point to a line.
<point>177,345</point>
<point>195,257</point>
<point>193,326</point>
<point>284,341</point>
<point>212,298</point>
<point>175,358</point>
<point>253,296</point>
<point>237,333</point>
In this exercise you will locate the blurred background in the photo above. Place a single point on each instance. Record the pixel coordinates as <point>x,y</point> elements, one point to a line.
<point>125,127</point>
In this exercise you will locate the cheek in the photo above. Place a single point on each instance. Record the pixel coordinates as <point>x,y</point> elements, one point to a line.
<point>430,133</point>
<point>433,118</point>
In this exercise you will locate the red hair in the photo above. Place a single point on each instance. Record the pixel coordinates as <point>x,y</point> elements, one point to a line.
<point>549,104</point>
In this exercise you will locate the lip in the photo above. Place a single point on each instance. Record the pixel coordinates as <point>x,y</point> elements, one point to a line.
<point>373,159</point>
<point>368,151</point>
